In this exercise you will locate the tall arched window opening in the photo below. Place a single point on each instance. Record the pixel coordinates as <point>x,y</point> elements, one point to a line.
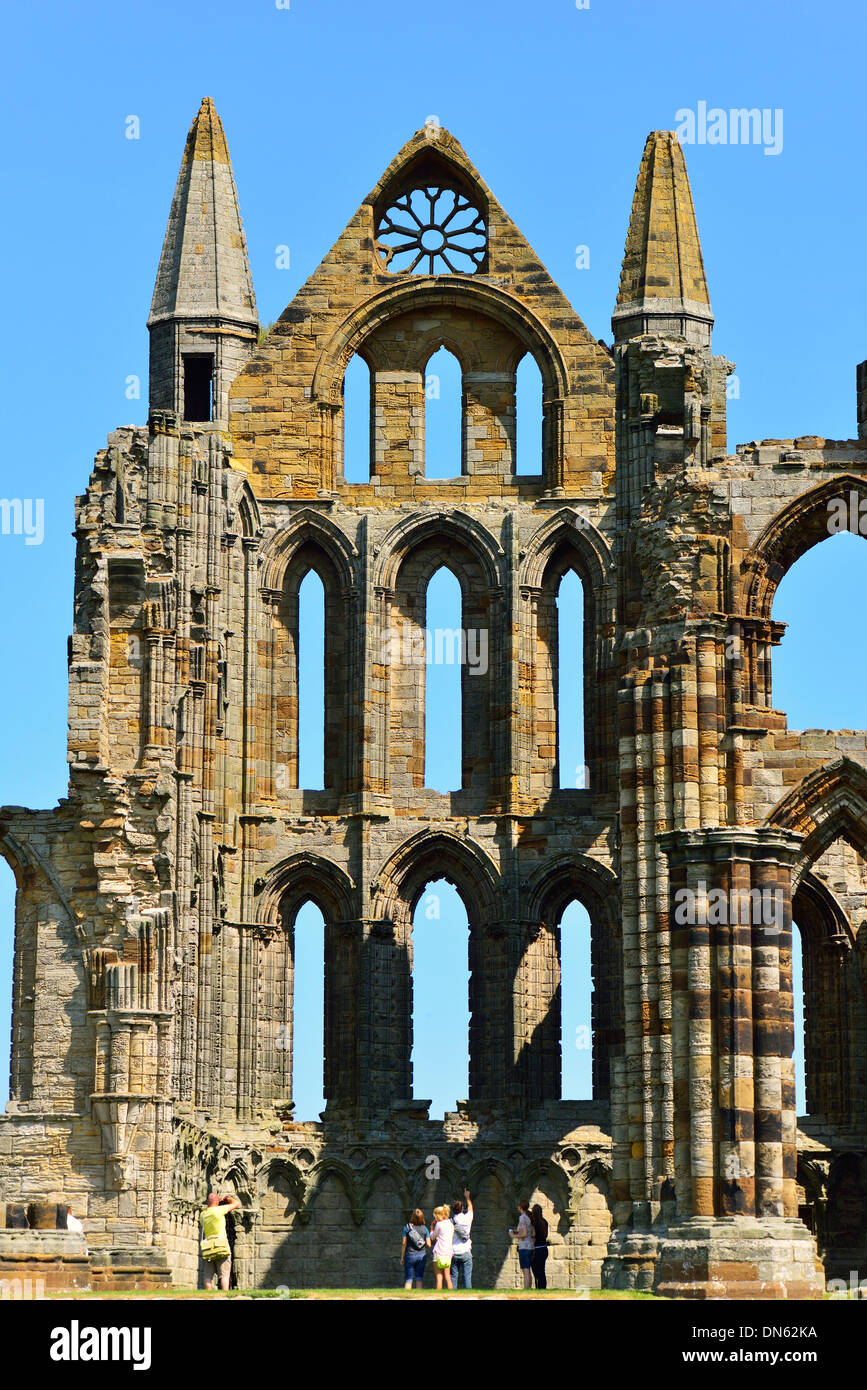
<point>440,984</point>
<point>443,416</point>
<point>571,768</point>
<point>528,416</point>
<point>308,1013</point>
<point>311,682</point>
<point>819,671</point>
<point>356,421</point>
<point>829,1007</point>
<point>443,653</point>
<point>576,993</point>
<point>441,657</point>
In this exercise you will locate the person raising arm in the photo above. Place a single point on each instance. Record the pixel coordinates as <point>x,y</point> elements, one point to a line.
<point>526,1241</point>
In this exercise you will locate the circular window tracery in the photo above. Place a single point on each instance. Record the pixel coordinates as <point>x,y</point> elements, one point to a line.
<point>432,230</point>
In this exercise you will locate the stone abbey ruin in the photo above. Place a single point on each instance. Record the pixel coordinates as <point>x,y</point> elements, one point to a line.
<point>156,904</point>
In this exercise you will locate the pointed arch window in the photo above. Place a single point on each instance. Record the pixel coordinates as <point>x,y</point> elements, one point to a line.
<point>311,682</point>
<point>819,672</point>
<point>308,732</point>
<point>576,990</point>
<point>440,1014</point>
<point>308,1012</point>
<point>570,992</point>
<point>569,711</point>
<point>830,1012</point>
<point>443,673</point>
<point>555,1060</point>
<point>528,417</point>
<point>356,421</point>
<point>440,669</point>
<point>443,416</point>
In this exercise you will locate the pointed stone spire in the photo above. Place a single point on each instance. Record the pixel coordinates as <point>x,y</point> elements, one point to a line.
<point>663,288</point>
<point>203,320</point>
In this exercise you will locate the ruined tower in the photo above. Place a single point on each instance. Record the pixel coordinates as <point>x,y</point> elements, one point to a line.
<point>153,1022</point>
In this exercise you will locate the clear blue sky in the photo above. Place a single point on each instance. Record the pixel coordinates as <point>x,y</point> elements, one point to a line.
<point>552,103</point>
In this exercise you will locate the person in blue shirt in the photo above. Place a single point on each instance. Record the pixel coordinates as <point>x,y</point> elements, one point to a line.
<point>462,1249</point>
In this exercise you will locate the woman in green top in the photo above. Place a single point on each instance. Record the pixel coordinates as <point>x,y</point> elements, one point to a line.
<point>216,1251</point>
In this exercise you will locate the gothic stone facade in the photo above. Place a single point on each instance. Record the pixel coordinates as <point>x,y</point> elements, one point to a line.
<point>154,937</point>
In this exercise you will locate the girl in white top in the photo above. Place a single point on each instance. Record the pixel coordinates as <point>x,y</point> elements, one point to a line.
<point>462,1250</point>
<point>442,1234</point>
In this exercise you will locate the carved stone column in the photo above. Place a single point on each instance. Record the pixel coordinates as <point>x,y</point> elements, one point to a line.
<point>737,1232</point>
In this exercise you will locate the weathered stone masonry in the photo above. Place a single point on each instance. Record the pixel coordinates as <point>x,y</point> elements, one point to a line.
<point>154,946</point>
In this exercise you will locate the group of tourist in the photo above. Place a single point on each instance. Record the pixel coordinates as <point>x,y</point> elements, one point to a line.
<point>448,1240</point>
<point>451,1246</point>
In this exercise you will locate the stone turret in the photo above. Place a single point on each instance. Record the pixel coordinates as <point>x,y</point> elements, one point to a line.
<point>663,288</point>
<point>203,322</point>
<point>671,390</point>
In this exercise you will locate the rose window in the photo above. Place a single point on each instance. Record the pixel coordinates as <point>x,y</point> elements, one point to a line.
<point>432,230</point>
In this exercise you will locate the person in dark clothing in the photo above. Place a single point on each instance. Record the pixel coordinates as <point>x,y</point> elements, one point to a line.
<point>413,1250</point>
<point>540,1247</point>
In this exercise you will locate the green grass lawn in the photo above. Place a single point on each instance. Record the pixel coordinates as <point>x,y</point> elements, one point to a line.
<point>337,1295</point>
<point>354,1294</point>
